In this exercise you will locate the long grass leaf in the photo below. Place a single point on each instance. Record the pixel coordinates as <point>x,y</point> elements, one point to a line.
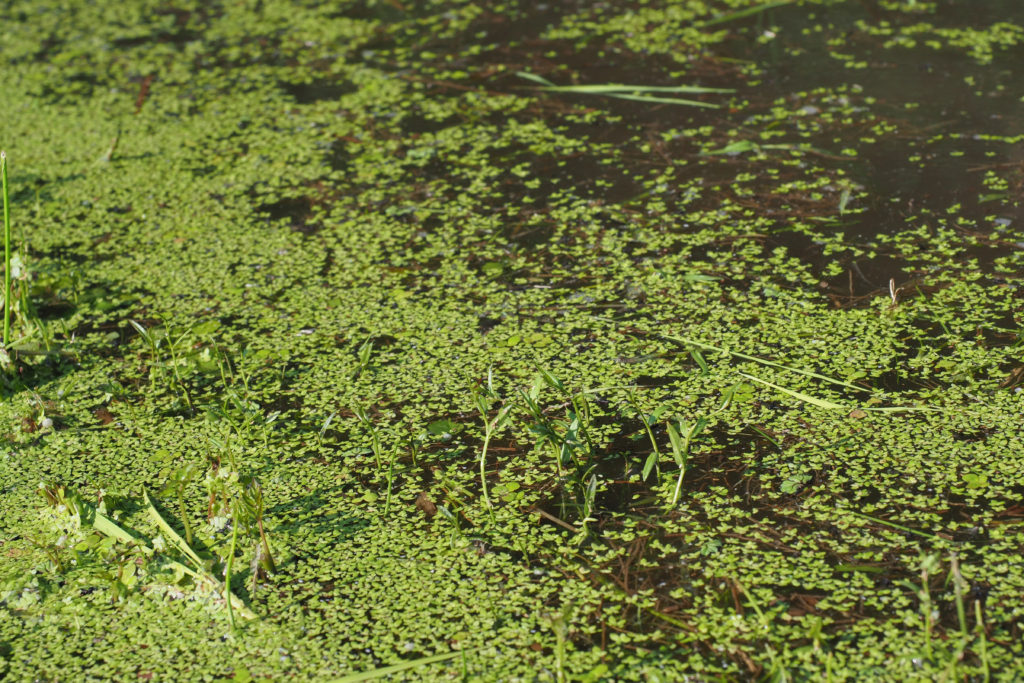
<point>899,527</point>
<point>395,668</point>
<point>820,402</point>
<point>904,409</point>
<point>108,527</point>
<point>762,361</point>
<point>607,89</point>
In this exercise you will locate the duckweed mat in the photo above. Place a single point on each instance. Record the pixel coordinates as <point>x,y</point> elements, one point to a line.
<point>448,340</point>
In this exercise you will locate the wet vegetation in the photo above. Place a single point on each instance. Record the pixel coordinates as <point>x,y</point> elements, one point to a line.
<point>570,341</point>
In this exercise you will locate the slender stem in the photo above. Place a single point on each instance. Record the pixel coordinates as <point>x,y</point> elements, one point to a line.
<point>268,558</point>
<point>983,645</point>
<point>679,485</point>
<point>7,251</point>
<point>184,513</point>
<point>227,572</point>
<point>483,462</point>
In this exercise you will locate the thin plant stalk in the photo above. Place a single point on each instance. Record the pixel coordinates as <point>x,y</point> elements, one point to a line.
<point>485,399</point>
<point>7,251</point>
<point>490,427</point>
<point>391,479</point>
<point>982,642</point>
<point>655,457</point>
<point>174,366</point>
<point>227,571</point>
<point>268,558</point>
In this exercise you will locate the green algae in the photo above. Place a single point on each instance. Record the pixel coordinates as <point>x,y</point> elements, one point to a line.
<point>291,180</point>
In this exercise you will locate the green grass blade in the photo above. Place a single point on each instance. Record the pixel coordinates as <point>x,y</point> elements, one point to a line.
<point>607,88</point>
<point>395,668</point>
<point>762,361</point>
<point>612,88</point>
<point>629,92</point>
<point>896,526</point>
<point>750,11</point>
<point>904,409</point>
<point>819,402</point>
<point>108,527</point>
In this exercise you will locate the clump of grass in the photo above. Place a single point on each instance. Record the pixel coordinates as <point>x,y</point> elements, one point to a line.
<point>568,440</point>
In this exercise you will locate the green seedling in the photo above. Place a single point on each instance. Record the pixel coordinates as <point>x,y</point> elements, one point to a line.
<point>323,429</point>
<point>156,339</point>
<point>243,416</point>
<point>368,424</point>
<point>568,439</point>
<point>391,479</point>
<point>648,420</point>
<point>542,427</point>
<point>18,309</point>
<point>238,501</point>
<point>485,400</point>
<point>979,628</point>
<point>680,438</point>
<point>559,623</point>
<point>777,670</point>
<point>929,567</point>
<point>365,350</point>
